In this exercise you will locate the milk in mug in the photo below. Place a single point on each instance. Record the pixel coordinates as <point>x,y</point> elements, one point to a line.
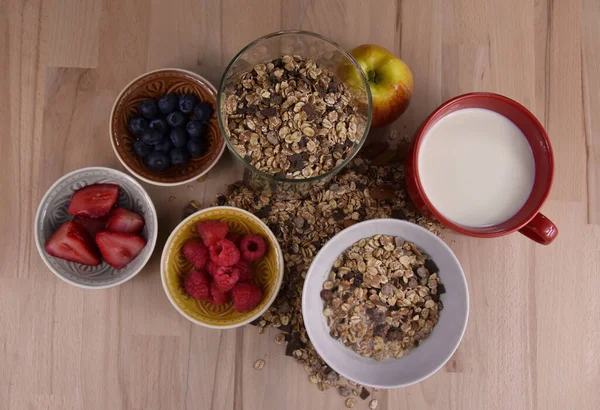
<point>476,167</point>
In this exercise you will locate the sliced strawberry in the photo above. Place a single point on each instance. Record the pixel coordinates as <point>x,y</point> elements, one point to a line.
<point>94,201</point>
<point>122,220</point>
<point>118,249</point>
<point>91,225</point>
<point>71,242</point>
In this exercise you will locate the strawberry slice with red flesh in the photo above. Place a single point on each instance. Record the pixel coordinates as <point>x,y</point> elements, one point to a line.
<point>118,249</point>
<point>94,201</point>
<point>122,220</point>
<point>91,225</point>
<point>71,242</point>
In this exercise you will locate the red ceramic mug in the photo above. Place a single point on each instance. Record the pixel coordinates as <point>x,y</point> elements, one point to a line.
<point>528,220</point>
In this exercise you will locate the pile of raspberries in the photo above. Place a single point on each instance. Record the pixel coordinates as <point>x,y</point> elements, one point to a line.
<point>222,266</point>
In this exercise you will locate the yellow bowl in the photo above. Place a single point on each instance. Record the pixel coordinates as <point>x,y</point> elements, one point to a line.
<point>174,267</point>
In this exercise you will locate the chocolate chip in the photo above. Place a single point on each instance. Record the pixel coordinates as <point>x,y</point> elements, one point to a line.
<point>276,99</point>
<point>303,141</point>
<point>380,330</point>
<point>441,289</point>
<point>339,215</point>
<point>326,294</point>
<point>358,279</point>
<point>364,393</point>
<point>269,112</point>
<point>377,316</point>
<point>333,86</point>
<point>310,111</point>
<point>398,214</point>
<point>297,162</point>
<point>431,266</point>
<point>339,148</point>
<point>264,212</point>
<point>394,335</point>
<point>275,228</point>
<point>221,200</point>
<point>294,344</point>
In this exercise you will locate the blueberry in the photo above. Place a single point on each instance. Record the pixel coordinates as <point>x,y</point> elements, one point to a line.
<point>167,103</point>
<point>152,137</point>
<point>138,125</point>
<point>178,137</point>
<point>165,145</point>
<point>179,156</point>
<point>159,125</point>
<point>141,149</point>
<point>196,147</point>
<point>203,111</point>
<point>159,161</point>
<point>176,119</point>
<point>187,103</point>
<point>149,109</point>
<point>195,128</point>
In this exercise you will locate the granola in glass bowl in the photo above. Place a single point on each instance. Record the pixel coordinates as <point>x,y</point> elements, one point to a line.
<point>286,112</point>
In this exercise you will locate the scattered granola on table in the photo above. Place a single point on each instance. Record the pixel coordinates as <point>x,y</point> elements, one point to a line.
<point>303,223</point>
<point>381,299</point>
<point>293,118</point>
<point>259,364</point>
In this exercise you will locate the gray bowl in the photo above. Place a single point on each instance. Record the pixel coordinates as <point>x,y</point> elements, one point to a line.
<point>52,212</point>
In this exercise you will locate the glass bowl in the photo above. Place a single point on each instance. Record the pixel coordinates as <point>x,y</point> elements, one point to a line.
<point>312,46</point>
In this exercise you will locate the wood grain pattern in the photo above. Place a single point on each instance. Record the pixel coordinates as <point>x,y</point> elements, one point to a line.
<point>533,338</point>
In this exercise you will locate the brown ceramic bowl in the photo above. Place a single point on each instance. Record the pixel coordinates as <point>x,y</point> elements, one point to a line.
<point>153,85</point>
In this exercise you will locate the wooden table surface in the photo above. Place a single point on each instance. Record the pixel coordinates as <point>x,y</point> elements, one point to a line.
<point>533,338</point>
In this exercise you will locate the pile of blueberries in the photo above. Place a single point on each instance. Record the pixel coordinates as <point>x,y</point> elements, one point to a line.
<point>171,130</point>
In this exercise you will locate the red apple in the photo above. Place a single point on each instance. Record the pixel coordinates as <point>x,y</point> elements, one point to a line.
<point>390,80</point>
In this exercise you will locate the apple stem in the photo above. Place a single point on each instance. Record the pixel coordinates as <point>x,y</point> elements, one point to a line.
<point>373,76</point>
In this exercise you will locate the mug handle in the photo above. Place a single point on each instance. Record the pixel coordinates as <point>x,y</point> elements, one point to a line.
<point>540,229</point>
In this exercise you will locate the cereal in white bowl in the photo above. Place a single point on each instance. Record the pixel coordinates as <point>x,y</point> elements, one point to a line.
<point>433,351</point>
<point>382,297</point>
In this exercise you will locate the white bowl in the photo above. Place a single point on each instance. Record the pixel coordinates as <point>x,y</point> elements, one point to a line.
<point>423,360</point>
<point>52,213</point>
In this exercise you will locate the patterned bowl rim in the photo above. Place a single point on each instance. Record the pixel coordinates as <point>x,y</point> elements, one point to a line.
<point>112,114</point>
<point>150,242</point>
<point>165,256</point>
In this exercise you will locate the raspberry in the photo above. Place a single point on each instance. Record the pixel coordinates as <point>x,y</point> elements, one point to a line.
<point>197,285</point>
<point>226,278</point>
<point>217,297</point>
<point>211,268</point>
<point>245,296</point>
<point>212,231</point>
<point>196,253</point>
<point>224,253</point>
<point>253,247</point>
<point>236,238</point>
<point>245,270</point>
